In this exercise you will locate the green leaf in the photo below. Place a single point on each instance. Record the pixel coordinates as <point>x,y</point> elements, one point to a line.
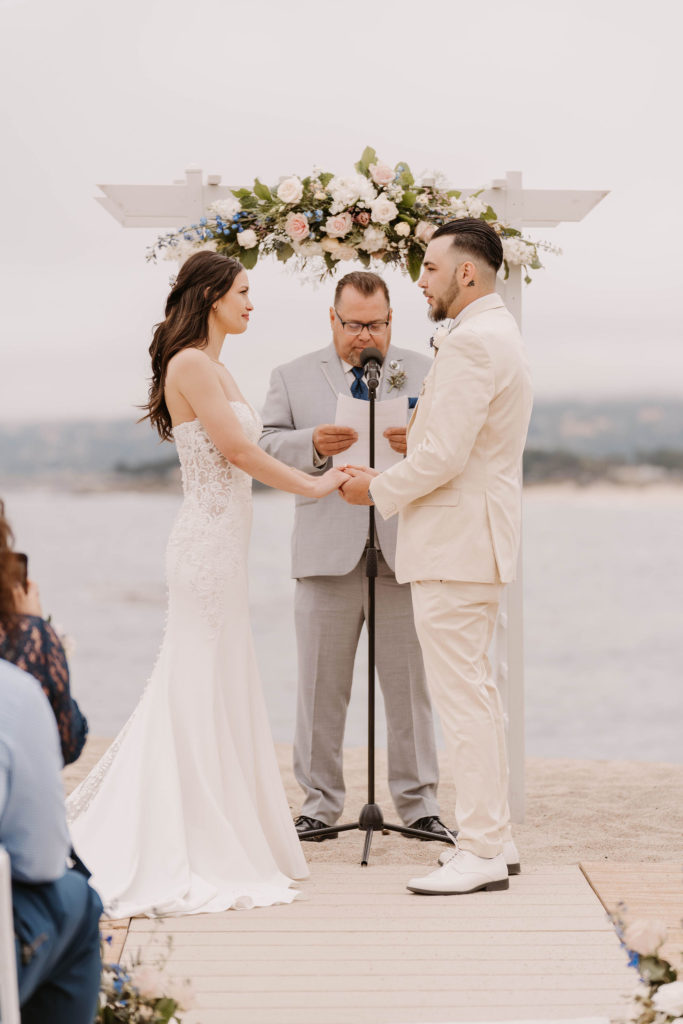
<point>406,178</point>
<point>249,258</point>
<point>329,262</point>
<point>368,157</point>
<point>453,193</point>
<point>249,202</point>
<point>409,199</point>
<point>507,270</point>
<point>364,258</point>
<point>489,214</point>
<point>415,258</point>
<point>326,178</point>
<point>262,191</point>
<point>284,252</point>
<point>241,193</point>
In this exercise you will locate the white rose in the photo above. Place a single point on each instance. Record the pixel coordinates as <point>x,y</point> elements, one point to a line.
<point>290,190</point>
<point>424,231</point>
<point>247,239</point>
<point>669,998</point>
<point>645,937</point>
<point>225,208</point>
<point>402,229</point>
<point>339,226</point>
<point>383,210</point>
<point>516,251</point>
<point>475,207</point>
<point>373,240</point>
<point>459,208</point>
<point>382,174</point>
<point>347,191</point>
<point>330,245</point>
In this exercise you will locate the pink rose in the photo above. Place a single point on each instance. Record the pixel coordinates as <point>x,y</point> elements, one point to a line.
<point>362,218</point>
<point>297,227</point>
<point>382,174</point>
<point>338,226</point>
<point>424,231</point>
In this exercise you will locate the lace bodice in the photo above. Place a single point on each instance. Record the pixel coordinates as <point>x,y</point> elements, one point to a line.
<point>209,542</point>
<point>208,478</point>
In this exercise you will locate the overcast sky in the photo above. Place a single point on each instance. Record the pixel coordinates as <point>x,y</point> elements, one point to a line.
<point>580,94</point>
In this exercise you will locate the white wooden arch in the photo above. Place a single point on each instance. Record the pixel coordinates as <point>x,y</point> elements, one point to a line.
<point>186,200</point>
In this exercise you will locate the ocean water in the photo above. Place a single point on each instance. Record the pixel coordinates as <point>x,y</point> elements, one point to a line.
<point>603,593</point>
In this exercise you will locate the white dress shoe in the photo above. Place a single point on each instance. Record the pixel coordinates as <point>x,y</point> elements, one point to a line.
<point>463,873</point>
<point>510,852</point>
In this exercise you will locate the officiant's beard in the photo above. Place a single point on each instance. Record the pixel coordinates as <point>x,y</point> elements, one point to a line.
<point>442,303</point>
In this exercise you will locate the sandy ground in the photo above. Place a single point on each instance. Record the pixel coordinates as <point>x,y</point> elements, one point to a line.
<point>622,811</point>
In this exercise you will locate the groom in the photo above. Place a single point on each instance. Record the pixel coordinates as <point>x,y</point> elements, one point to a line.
<point>458,499</point>
<point>328,562</point>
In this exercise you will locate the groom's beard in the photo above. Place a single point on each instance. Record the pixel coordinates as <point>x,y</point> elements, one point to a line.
<point>439,311</point>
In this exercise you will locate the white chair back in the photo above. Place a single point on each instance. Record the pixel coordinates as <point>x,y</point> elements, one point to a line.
<point>9,995</point>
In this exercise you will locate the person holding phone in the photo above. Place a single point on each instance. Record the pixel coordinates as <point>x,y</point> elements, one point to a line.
<point>28,641</point>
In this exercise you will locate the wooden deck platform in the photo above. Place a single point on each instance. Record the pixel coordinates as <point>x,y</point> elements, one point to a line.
<point>357,947</point>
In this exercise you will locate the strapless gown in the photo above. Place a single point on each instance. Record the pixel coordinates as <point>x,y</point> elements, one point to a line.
<point>186,812</point>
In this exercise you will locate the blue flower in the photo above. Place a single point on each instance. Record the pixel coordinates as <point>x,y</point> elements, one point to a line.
<point>188,238</point>
<point>240,229</point>
<point>202,221</point>
<point>633,959</point>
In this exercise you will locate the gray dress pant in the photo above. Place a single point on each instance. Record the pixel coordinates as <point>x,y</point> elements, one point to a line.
<point>329,614</point>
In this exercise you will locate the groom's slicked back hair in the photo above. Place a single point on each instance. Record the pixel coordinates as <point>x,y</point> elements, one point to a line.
<point>475,237</point>
<point>365,282</point>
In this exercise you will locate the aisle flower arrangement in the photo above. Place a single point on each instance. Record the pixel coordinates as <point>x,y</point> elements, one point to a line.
<point>377,215</point>
<point>142,993</point>
<point>658,998</point>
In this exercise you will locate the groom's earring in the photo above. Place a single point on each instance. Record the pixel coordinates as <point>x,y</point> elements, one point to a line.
<point>214,308</point>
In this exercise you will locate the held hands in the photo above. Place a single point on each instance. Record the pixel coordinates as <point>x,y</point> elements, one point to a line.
<point>329,439</point>
<point>355,490</point>
<point>332,480</point>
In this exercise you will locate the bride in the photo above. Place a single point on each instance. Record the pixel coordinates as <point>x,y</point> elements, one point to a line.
<point>186,811</point>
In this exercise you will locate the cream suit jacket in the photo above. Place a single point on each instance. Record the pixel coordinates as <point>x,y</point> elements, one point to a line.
<point>458,491</point>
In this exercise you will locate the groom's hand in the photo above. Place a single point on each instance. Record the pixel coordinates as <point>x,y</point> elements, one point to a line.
<point>356,490</point>
<point>329,439</point>
<point>396,436</point>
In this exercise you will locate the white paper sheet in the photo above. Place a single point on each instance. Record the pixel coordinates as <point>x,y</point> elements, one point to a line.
<point>352,412</point>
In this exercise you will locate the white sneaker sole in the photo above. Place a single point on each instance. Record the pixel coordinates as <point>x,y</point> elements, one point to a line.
<point>497,886</point>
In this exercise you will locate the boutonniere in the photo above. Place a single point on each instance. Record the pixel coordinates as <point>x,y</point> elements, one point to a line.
<point>398,375</point>
<point>439,334</point>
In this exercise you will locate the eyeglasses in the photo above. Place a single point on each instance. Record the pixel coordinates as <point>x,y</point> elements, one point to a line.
<point>353,327</point>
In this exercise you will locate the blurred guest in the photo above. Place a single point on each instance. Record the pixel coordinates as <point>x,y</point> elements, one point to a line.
<point>56,913</point>
<point>28,641</point>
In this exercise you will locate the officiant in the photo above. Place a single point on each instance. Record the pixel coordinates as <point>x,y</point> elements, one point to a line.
<point>328,562</point>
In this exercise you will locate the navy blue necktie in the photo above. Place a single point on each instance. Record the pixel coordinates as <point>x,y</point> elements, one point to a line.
<point>359,388</point>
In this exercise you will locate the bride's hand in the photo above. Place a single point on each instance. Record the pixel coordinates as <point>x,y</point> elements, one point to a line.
<point>330,481</point>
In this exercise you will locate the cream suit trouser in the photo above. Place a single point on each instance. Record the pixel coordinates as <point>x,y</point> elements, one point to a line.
<point>454,623</point>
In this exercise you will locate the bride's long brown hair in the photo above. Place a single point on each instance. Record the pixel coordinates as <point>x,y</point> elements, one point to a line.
<point>201,281</point>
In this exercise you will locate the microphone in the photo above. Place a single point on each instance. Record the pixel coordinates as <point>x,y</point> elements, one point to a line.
<point>371,360</point>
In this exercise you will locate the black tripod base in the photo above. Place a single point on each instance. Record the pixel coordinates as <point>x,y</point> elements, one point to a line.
<point>371,820</point>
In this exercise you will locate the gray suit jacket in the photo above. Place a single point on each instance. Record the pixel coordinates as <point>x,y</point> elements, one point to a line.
<point>329,535</point>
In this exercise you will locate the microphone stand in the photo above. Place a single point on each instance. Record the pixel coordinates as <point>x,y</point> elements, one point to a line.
<point>371,819</point>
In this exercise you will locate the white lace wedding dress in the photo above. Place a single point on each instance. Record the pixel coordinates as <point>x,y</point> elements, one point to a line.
<point>186,811</point>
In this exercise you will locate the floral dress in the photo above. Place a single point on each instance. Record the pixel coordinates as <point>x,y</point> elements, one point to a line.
<point>31,644</point>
